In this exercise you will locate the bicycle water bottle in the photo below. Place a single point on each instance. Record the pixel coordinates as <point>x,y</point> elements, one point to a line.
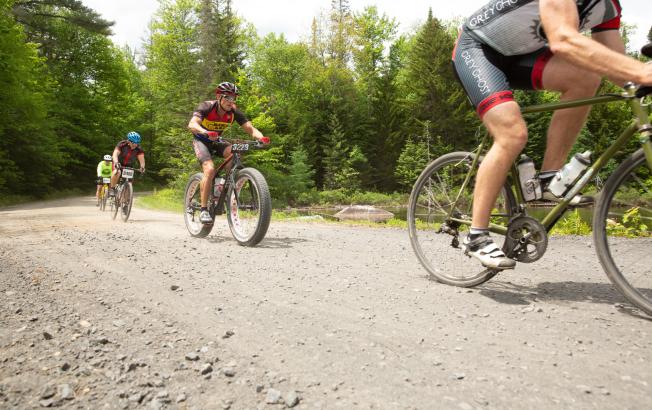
<point>527,177</point>
<point>566,177</point>
<point>218,187</point>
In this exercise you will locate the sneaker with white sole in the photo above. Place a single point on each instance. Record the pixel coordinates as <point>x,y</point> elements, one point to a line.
<point>205,217</point>
<point>487,252</point>
<point>578,200</point>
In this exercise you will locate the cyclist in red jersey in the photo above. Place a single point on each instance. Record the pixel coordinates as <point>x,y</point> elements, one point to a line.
<point>536,44</point>
<point>208,122</point>
<point>124,154</point>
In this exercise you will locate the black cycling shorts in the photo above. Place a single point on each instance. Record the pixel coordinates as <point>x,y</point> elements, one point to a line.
<point>489,77</point>
<point>204,152</point>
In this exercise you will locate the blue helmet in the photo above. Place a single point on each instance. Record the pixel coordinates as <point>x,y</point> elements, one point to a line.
<point>134,137</point>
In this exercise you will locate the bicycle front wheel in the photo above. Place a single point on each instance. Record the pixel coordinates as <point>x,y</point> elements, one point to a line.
<point>115,201</point>
<point>438,197</point>
<point>127,201</point>
<point>249,207</point>
<point>622,230</point>
<point>103,195</point>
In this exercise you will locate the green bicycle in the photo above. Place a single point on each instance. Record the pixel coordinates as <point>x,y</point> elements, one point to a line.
<point>440,206</point>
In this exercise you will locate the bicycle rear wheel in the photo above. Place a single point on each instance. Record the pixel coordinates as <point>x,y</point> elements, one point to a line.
<point>127,201</point>
<point>435,238</point>
<point>192,208</point>
<point>115,201</point>
<point>622,230</point>
<point>249,207</point>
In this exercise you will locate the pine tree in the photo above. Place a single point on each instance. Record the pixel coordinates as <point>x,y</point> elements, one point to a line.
<point>335,152</point>
<point>339,38</point>
<point>434,94</point>
<point>300,174</point>
<point>413,159</point>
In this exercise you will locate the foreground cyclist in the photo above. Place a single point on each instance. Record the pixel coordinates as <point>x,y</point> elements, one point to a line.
<point>104,169</point>
<point>124,153</point>
<point>208,122</point>
<point>534,44</point>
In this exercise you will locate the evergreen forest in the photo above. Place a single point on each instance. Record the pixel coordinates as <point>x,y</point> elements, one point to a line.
<point>357,105</point>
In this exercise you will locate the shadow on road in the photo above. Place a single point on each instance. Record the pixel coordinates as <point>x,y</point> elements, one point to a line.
<point>142,221</point>
<point>267,243</point>
<point>603,293</point>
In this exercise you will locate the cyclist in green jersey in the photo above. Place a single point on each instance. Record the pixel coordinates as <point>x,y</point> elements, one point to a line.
<point>104,169</point>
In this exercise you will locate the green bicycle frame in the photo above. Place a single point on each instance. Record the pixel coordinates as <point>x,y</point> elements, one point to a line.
<point>640,124</point>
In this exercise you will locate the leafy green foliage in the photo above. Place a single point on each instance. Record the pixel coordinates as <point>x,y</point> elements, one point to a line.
<point>631,226</point>
<point>572,224</point>
<point>413,159</point>
<point>349,109</point>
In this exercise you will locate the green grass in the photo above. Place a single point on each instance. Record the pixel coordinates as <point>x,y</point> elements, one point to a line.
<point>165,199</point>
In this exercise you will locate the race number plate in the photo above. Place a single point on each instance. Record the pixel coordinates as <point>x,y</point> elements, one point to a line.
<point>240,147</point>
<point>106,180</point>
<point>127,173</point>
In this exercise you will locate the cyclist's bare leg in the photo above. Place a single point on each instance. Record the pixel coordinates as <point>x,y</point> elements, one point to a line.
<point>227,153</point>
<point>208,169</point>
<point>97,193</point>
<point>573,83</point>
<point>509,131</point>
<point>115,177</point>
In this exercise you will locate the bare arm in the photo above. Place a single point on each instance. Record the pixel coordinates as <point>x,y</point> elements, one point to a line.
<point>560,21</point>
<point>251,130</point>
<point>612,40</point>
<point>195,125</point>
<point>116,152</point>
<point>141,160</point>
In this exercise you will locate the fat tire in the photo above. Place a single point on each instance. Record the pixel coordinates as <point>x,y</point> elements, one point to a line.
<point>265,204</point>
<point>205,228</point>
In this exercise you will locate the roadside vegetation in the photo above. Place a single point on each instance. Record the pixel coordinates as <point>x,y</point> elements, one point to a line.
<point>355,109</point>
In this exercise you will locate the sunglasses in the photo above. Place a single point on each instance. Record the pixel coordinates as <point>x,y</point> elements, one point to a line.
<point>231,98</point>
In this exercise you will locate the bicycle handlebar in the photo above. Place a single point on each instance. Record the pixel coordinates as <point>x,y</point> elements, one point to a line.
<point>646,50</point>
<point>643,91</point>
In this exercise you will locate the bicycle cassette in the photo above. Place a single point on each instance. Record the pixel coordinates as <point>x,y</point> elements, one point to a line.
<point>526,239</point>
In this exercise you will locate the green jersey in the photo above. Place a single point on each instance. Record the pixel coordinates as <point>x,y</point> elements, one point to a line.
<point>104,169</point>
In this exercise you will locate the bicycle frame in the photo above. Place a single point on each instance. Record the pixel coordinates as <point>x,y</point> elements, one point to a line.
<point>640,124</point>
<point>236,163</point>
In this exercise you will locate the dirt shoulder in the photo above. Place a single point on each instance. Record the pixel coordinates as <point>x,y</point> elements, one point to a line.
<point>100,313</point>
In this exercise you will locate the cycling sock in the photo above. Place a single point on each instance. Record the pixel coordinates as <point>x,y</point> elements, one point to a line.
<point>475,232</point>
<point>204,208</point>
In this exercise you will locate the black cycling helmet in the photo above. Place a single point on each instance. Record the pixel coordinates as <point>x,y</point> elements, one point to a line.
<point>226,88</point>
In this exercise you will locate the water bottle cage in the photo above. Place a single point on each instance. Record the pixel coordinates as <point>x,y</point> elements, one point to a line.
<point>533,188</point>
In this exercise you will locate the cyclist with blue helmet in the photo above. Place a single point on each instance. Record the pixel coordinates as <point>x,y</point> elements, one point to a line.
<point>125,153</point>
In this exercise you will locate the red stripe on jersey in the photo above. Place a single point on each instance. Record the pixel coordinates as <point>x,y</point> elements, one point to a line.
<point>614,23</point>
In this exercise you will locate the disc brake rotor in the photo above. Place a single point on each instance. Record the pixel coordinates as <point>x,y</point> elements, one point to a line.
<point>526,239</point>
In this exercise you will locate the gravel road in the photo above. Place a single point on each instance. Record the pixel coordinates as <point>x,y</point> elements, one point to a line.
<point>96,313</point>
